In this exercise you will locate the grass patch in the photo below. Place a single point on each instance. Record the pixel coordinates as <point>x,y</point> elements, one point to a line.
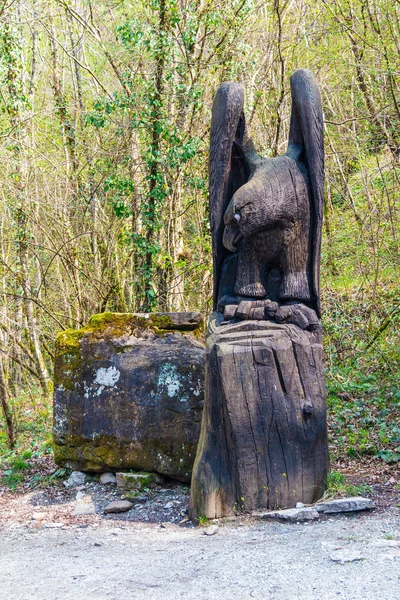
<point>33,416</point>
<point>33,419</point>
<point>338,486</point>
<point>363,415</point>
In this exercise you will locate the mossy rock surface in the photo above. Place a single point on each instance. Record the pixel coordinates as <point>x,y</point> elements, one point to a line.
<point>137,481</point>
<point>129,393</point>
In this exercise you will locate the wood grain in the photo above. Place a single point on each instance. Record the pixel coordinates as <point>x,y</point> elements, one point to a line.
<point>263,442</point>
<point>267,211</point>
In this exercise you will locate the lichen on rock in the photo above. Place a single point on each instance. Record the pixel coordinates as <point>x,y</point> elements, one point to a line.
<point>128,393</point>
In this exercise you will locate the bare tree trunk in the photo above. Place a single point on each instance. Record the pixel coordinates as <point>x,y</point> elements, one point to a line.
<point>155,173</point>
<point>69,143</point>
<point>5,406</point>
<point>23,235</point>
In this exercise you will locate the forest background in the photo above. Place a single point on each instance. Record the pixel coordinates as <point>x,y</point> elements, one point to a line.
<point>104,122</point>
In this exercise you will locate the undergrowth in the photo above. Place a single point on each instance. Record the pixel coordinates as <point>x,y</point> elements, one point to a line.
<point>33,422</point>
<point>363,383</point>
<point>363,379</point>
<point>338,486</point>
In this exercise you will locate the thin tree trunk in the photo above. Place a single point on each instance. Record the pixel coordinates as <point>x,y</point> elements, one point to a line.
<point>155,174</point>
<point>5,406</point>
<point>23,235</point>
<point>69,143</point>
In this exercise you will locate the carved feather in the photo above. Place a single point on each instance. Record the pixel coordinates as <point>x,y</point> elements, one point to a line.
<point>228,170</point>
<point>307,131</point>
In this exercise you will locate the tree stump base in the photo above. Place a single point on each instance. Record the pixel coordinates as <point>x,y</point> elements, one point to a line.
<point>263,441</point>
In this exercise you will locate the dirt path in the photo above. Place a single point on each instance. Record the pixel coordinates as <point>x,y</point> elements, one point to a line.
<point>266,561</point>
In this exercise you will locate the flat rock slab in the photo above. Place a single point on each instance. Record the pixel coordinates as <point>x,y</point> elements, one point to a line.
<point>128,393</point>
<point>137,481</point>
<point>344,505</point>
<point>387,543</point>
<point>118,506</point>
<point>345,556</point>
<point>293,515</point>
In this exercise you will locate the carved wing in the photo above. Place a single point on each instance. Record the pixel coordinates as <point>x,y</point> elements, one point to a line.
<point>228,170</point>
<point>307,131</point>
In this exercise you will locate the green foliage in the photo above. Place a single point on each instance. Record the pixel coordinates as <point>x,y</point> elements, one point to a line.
<point>104,185</point>
<point>363,413</point>
<point>15,99</point>
<point>338,486</point>
<point>390,456</point>
<point>34,439</point>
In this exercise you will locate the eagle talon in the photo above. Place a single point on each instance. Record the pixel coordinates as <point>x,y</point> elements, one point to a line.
<point>259,310</point>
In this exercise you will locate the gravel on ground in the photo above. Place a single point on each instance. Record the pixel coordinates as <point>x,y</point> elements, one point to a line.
<point>354,557</point>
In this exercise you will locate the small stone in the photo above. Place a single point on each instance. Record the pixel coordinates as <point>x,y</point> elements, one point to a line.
<point>300,505</point>
<point>84,506</point>
<point>79,495</point>
<point>169,505</point>
<point>356,503</point>
<point>211,530</point>
<point>118,506</point>
<point>108,478</point>
<point>76,478</point>
<point>142,499</point>
<point>289,514</point>
<point>391,481</point>
<point>387,543</point>
<point>39,516</point>
<point>391,554</point>
<point>137,481</point>
<point>345,556</point>
<point>130,495</point>
<point>184,520</point>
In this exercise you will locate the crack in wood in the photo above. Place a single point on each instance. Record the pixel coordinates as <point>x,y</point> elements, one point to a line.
<point>260,446</point>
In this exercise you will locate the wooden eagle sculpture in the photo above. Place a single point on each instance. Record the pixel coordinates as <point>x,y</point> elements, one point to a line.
<point>266,213</point>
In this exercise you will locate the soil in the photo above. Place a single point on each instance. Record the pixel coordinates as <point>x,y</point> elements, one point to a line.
<point>153,552</point>
<point>166,503</point>
<point>346,557</point>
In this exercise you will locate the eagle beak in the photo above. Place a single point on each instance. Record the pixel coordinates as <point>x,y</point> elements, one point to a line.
<point>231,238</point>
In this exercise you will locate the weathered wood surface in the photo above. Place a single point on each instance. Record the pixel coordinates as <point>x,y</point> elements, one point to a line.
<point>267,212</point>
<point>263,442</point>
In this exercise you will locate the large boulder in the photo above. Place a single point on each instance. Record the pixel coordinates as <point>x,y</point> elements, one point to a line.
<point>129,393</point>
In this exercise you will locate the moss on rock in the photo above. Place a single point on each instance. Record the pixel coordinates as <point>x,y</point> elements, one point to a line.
<point>128,393</point>
<point>118,324</point>
<point>137,481</point>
